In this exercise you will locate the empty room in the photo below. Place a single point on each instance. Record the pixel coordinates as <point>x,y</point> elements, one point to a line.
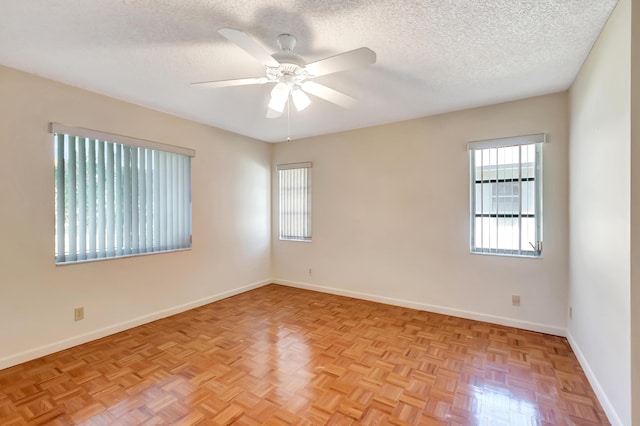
<point>320,212</point>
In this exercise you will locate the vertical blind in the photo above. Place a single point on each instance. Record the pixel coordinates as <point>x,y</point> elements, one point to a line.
<point>295,201</point>
<point>506,195</point>
<point>118,199</point>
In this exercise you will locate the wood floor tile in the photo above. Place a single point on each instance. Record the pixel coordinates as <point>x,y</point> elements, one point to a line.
<point>284,356</point>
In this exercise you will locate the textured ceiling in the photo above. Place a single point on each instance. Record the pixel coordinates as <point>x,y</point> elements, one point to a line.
<point>433,56</point>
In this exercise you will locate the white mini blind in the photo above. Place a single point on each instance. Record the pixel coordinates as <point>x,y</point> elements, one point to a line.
<point>294,182</point>
<point>115,199</point>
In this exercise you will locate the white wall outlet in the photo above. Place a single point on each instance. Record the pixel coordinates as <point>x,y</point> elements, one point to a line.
<point>78,314</point>
<point>570,312</point>
<point>310,271</point>
<point>515,300</point>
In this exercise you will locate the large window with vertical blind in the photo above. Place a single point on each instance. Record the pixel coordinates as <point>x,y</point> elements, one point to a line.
<point>294,182</point>
<point>118,196</point>
<point>506,196</point>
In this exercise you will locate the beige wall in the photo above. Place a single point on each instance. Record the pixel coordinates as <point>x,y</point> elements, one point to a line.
<point>231,223</point>
<point>600,216</point>
<point>635,212</point>
<point>391,217</point>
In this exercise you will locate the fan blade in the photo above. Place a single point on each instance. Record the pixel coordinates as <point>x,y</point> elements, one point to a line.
<point>249,45</point>
<point>328,94</point>
<point>345,61</point>
<point>236,82</point>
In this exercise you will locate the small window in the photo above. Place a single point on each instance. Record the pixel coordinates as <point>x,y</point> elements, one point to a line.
<point>294,181</point>
<point>506,196</point>
<point>117,196</point>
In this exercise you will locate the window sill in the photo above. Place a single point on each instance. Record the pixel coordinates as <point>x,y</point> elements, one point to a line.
<point>102,259</point>
<point>525,256</point>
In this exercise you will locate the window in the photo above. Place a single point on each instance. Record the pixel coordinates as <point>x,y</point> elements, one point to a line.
<point>295,201</point>
<point>506,196</point>
<point>118,196</point>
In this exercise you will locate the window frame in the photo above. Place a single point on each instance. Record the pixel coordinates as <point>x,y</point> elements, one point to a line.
<point>537,140</point>
<point>144,219</point>
<point>305,229</point>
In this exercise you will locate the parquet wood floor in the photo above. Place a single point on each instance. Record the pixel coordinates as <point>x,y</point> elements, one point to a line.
<point>283,356</point>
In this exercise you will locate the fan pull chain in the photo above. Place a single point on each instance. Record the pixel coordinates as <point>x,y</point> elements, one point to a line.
<point>288,120</point>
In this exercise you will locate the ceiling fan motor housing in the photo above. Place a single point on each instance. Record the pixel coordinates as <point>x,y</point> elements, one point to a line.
<point>290,64</point>
<point>286,42</point>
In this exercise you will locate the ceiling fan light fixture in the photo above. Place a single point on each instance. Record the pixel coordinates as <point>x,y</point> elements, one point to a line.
<point>280,91</point>
<point>273,114</point>
<point>277,103</point>
<point>300,99</point>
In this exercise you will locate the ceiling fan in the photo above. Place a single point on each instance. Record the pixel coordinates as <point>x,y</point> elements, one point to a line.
<point>292,75</point>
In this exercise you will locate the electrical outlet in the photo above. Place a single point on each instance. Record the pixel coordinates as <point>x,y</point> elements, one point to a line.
<point>515,300</point>
<point>310,271</point>
<point>78,314</point>
<point>570,312</point>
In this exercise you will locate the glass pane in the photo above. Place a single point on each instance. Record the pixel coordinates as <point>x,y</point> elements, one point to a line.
<point>508,163</point>
<point>497,233</point>
<point>507,229</point>
<point>528,197</point>
<point>507,198</point>
<point>528,161</point>
<point>483,227</point>
<point>528,233</point>
<point>484,198</point>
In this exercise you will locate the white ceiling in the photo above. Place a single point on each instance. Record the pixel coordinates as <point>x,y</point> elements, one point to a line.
<point>433,56</point>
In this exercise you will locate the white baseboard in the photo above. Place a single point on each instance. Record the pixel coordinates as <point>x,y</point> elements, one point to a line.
<point>612,414</point>
<point>50,348</point>
<point>509,322</point>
